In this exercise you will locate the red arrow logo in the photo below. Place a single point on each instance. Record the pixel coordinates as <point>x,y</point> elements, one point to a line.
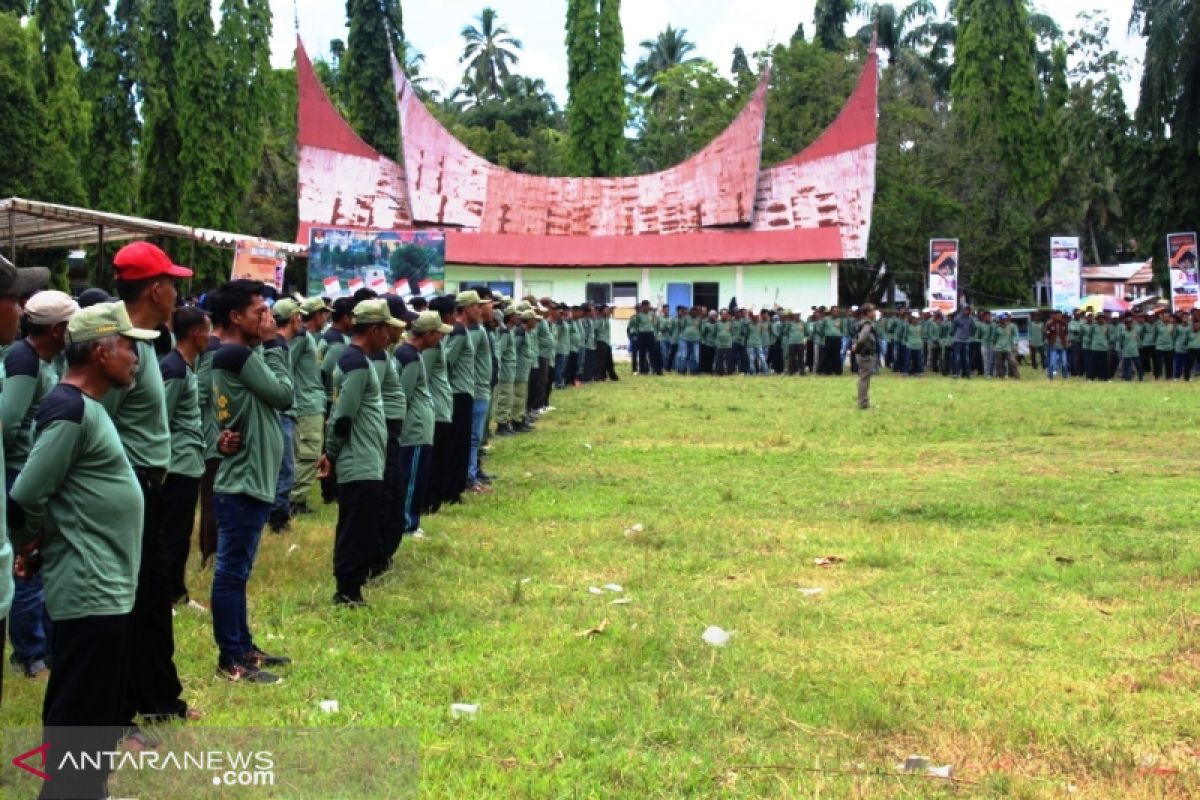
<point>20,760</point>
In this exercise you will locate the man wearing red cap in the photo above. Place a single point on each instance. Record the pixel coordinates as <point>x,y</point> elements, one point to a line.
<point>146,283</point>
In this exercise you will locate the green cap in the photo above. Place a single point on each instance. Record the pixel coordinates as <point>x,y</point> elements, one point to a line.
<point>468,298</point>
<point>375,312</point>
<point>312,305</point>
<point>428,321</point>
<point>529,313</point>
<point>285,309</point>
<point>102,320</point>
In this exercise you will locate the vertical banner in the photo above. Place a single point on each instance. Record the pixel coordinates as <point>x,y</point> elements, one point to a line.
<point>943,275</point>
<point>1181,260</point>
<point>256,260</point>
<point>1066,270</point>
<point>410,262</point>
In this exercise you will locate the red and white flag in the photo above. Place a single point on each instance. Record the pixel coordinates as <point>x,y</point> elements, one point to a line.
<point>333,287</point>
<point>400,289</point>
<point>354,285</point>
<point>426,287</point>
<point>379,284</point>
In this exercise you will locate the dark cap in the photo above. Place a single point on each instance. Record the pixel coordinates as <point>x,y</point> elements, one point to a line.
<point>90,297</point>
<point>443,305</point>
<point>15,281</point>
<point>399,309</point>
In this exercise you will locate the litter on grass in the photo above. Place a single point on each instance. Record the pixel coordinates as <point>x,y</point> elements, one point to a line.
<point>460,710</point>
<point>594,631</point>
<point>716,636</point>
<point>595,590</point>
<point>811,592</point>
<point>613,587</point>
<point>825,561</point>
<point>621,601</point>
<point>330,706</point>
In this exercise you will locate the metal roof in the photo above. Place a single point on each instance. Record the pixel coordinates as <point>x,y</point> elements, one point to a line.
<point>34,225</point>
<point>1121,272</point>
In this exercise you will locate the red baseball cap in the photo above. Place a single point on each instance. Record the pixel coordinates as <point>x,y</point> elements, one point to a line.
<point>142,260</point>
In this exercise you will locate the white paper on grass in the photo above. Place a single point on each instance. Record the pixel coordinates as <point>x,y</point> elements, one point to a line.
<point>716,636</point>
<point>621,601</point>
<point>613,587</point>
<point>811,592</point>
<point>595,590</point>
<point>330,706</point>
<point>459,710</point>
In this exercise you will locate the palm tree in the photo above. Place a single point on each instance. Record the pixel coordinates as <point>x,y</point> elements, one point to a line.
<point>1170,90</point>
<point>915,38</point>
<point>488,54</point>
<point>670,49</point>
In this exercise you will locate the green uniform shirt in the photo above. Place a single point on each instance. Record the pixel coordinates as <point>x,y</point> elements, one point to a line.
<point>1164,337</point>
<point>546,341</point>
<point>306,375</point>
<point>483,363</point>
<point>329,350</point>
<point>723,337</point>
<point>460,360</point>
<point>1004,340</point>
<point>437,378</point>
<point>521,347</point>
<point>140,414</point>
<point>689,329</point>
<point>78,490</point>
<point>1182,336</point>
<point>1098,341</point>
<point>603,326</point>
<point>208,410</point>
<point>664,329</point>
<point>575,326</point>
<point>249,389</point>
<point>395,404</point>
<point>1146,334</point>
<point>589,333</point>
<point>183,414</point>
<point>562,338</point>
<point>912,337</point>
<point>1037,334</point>
<point>356,435</point>
<point>1128,342</point>
<point>1074,332</point>
<point>27,379</point>
<point>506,344</point>
<point>419,421</point>
<point>6,553</point>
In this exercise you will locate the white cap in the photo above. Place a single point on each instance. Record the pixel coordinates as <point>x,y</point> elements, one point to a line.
<point>50,308</point>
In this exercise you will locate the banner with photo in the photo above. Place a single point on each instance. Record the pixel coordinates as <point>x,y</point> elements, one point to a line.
<point>1066,271</point>
<point>1181,260</point>
<point>943,275</point>
<point>407,263</point>
<point>256,260</point>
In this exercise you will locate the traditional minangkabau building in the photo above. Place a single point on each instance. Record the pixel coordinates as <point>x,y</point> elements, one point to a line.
<point>714,228</point>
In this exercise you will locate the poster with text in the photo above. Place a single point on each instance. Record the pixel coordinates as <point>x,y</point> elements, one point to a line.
<point>409,262</point>
<point>943,275</point>
<point>1066,270</point>
<point>256,260</point>
<point>1181,261</point>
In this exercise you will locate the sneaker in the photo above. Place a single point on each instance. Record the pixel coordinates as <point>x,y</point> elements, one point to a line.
<point>247,673</point>
<point>199,608</point>
<point>257,658</point>
<point>419,533</point>
<point>479,488</point>
<point>37,668</point>
<point>504,430</point>
<point>340,599</point>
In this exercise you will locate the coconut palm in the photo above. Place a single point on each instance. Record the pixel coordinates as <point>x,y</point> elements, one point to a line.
<point>670,49</point>
<point>489,53</point>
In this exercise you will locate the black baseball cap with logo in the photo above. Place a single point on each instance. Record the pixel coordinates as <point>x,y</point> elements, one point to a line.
<point>19,282</point>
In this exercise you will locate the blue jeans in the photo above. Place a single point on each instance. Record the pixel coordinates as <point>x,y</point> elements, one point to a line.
<point>560,370</point>
<point>240,521</point>
<point>664,349</point>
<point>758,360</point>
<point>915,361</point>
<point>287,470</point>
<point>960,359</point>
<point>688,357</point>
<point>1056,361</point>
<point>633,353</point>
<point>479,414</point>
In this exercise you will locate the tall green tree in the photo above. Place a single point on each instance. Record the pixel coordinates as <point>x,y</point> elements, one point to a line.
<point>376,32</point>
<point>669,49</point>
<point>161,173</point>
<point>247,81</point>
<point>596,109</point>
<point>109,170</point>
<point>695,104</point>
<point>22,121</point>
<point>829,21</point>
<point>489,53</point>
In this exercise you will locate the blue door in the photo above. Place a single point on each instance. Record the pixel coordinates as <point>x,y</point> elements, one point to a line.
<point>679,294</point>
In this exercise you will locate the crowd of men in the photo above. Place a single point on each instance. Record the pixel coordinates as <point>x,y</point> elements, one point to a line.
<point>124,416</point>
<point>1096,346</point>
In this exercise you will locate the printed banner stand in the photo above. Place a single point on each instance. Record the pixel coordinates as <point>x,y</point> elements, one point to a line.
<point>1185,280</point>
<point>257,260</point>
<point>943,275</point>
<point>407,261</point>
<point>1066,272</point>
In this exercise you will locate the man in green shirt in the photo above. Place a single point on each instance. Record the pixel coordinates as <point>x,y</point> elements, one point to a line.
<point>181,488</point>
<point>481,392</point>
<point>83,524</point>
<point>146,283</point>
<point>1075,343</point>
<point>417,436</point>
<point>438,376</point>
<point>251,383</point>
<point>506,346</point>
<point>1095,342</point>
<point>333,341</point>
<point>288,329</point>
<point>309,407</point>
<point>355,449</point>
<point>649,357</point>
<point>460,363</point>
<point>605,368</point>
<point>13,284</point>
<point>1037,341</point>
<point>395,409</point>
<point>29,377</point>
<point>1127,345</point>
<point>1004,345</point>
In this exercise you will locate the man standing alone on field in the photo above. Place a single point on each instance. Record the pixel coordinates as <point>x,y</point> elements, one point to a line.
<point>865,349</point>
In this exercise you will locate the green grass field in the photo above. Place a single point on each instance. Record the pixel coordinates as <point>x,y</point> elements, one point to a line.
<point>1017,599</point>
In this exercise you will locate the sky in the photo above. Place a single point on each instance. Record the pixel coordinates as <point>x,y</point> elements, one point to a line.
<point>716,26</point>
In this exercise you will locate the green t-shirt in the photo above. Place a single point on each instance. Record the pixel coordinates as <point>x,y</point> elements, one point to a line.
<point>575,326</point>
<point>603,326</point>
<point>1164,337</point>
<point>912,337</point>
<point>27,379</point>
<point>460,360</point>
<point>1037,334</point>
<point>1146,334</point>
<point>508,355</point>
<point>1098,340</point>
<point>183,415</point>
<point>306,375</point>
<point>438,381</point>
<point>395,404</point>
<point>664,329</point>
<point>249,389</point>
<point>562,338</point>
<point>1128,341</point>
<point>524,359</point>
<point>1074,332</point>
<point>356,435</point>
<point>483,363</point>
<point>140,414</point>
<point>1182,336</point>
<point>79,491</point>
<point>329,350</point>
<point>589,333</point>
<point>689,329</point>
<point>546,342</point>
<point>208,410</point>
<point>1004,339</point>
<point>419,421</point>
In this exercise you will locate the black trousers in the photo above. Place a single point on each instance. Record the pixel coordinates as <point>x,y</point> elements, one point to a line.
<point>1037,357</point>
<point>795,359</point>
<point>809,363</point>
<point>208,520</point>
<point>1162,364</point>
<point>590,361</point>
<point>87,692</point>
<point>775,358</point>
<point>833,356</point>
<point>1076,359</point>
<point>723,361</point>
<point>391,525</point>
<point>1146,362</point>
<point>977,357</point>
<point>460,447</point>
<point>649,356</point>
<point>357,549</point>
<point>707,353</point>
<point>179,518</point>
<point>437,483</point>
<point>607,369</point>
<point>154,687</point>
<point>543,383</point>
